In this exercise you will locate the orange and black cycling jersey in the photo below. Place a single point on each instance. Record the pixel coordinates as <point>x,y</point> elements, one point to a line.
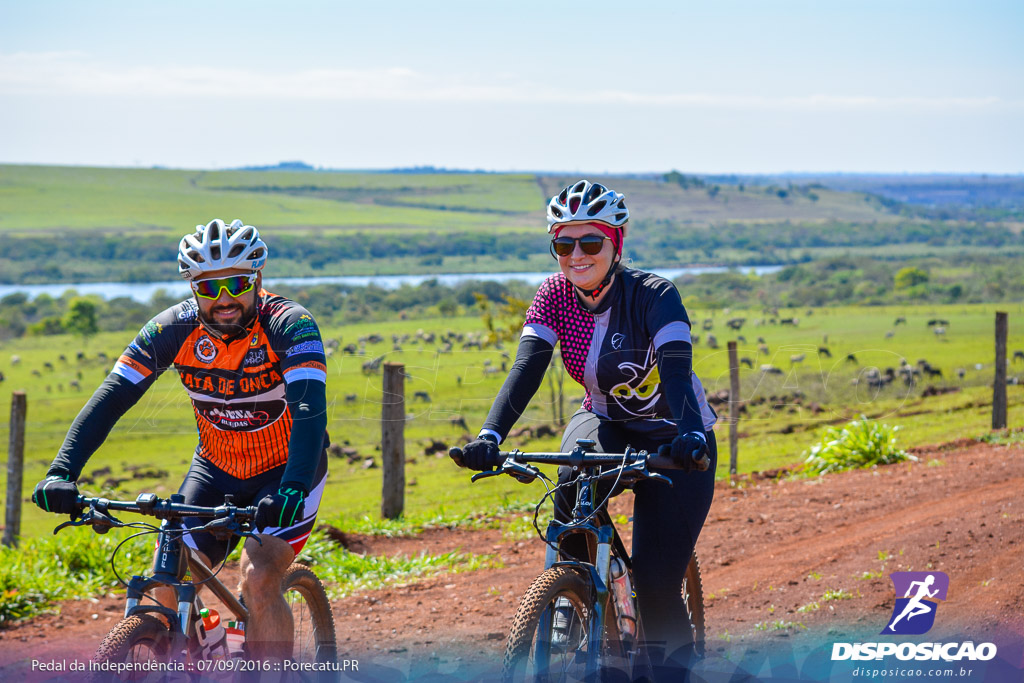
<point>237,386</point>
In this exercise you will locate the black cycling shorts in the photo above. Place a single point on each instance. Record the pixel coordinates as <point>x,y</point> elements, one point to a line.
<point>206,484</point>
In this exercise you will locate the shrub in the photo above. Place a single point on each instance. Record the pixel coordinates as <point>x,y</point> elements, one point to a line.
<point>861,443</point>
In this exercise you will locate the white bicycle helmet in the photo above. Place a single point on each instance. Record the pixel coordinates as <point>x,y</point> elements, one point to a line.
<point>216,246</point>
<point>585,202</point>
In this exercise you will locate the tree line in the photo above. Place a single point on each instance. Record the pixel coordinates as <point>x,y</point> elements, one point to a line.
<point>846,280</point>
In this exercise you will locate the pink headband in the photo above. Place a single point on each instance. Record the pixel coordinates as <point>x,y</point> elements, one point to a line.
<point>614,234</point>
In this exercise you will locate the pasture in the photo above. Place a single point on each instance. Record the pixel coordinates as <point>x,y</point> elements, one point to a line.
<point>151,447</point>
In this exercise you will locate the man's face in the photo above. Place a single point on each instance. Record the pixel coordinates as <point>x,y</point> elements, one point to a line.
<point>227,315</point>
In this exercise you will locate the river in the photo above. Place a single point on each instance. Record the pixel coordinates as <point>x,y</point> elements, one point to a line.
<point>143,291</point>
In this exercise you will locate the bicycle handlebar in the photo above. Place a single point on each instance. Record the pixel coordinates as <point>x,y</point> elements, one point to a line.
<point>161,508</point>
<point>516,462</point>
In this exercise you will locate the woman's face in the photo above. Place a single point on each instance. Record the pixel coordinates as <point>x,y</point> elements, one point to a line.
<point>583,270</point>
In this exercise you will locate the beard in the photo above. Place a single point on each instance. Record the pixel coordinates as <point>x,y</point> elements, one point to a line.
<point>234,329</point>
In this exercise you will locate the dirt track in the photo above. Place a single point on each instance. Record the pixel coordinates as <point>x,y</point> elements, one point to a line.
<point>769,548</point>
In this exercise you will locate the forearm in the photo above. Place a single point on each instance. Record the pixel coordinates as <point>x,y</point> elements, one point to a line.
<point>523,380</point>
<point>110,401</point>
<point>307,402</point>
<point>675,366</point>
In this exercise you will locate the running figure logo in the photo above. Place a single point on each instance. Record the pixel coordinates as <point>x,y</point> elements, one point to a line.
<point>914,613</point>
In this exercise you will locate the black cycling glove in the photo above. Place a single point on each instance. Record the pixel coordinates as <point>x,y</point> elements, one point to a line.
<point>282,509</point>
<point>57,493</point>
<point>482,454</point>
<point>690,451</point>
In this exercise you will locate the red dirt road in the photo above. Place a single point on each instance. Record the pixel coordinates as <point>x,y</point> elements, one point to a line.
<point>769,548</point>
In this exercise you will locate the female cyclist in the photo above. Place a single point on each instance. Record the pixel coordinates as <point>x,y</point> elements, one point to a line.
<point>625,337</point>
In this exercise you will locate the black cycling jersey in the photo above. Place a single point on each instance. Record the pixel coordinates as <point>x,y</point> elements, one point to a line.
<point>623,353</point>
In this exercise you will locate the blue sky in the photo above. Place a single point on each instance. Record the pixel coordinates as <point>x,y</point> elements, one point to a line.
<point>726,86</point>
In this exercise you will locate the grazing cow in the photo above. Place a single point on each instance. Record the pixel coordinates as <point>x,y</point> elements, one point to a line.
<point>350,349</point>
<point>823,351</point>
<point>770,369</point>
<point>491,371</point>
<point>960,372</point>
<point>735,323</point>
<point>797,358</point>
<point>712,342</point>
<point>75,385</point>
<point>36,373</point>
<point>939,331</point>
<point>458,421</point>
<point>372,366</point>
<point>80,356</point>
<point>900,321</point>
<point>748,362</point>
<point>932,371</point>
<point>421,396</point>
<point>708,324</point>
<point>48,365</point>
<point>789,321</point>
<point>351,398</point>
<point>850,358</point>
<point>62,358</point>
<point>2,376</point>
<point>15,360</point>
<point>1018,356</point>
<point>890,334</point>
<point>762,348</point>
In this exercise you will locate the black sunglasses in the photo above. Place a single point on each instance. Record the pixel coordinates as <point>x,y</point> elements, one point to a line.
<point>589,244</point>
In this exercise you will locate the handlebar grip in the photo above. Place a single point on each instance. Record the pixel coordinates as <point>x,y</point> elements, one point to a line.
<point>455,453</point>
<point>663,460</point>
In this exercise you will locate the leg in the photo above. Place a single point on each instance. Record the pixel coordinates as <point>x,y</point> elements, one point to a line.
<point>667,523</point>
<point>270,629</point>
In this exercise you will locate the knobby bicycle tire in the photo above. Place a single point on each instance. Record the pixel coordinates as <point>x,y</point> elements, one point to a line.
<point>311,611</point>
<point>693,596</point>
<point>525,642</point>
<point>137,638</point>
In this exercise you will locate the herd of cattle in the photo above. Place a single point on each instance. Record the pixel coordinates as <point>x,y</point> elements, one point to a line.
<point>447,342</point>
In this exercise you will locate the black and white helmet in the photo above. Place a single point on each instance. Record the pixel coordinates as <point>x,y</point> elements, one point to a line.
<point>216,246</point>
<point>585,202</point>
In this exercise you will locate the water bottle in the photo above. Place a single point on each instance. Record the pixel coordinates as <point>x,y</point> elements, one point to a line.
<point>212,636</point>
<point>622,593</point>
<point>236,638</point>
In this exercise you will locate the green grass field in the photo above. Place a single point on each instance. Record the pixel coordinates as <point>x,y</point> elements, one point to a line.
<point>160,200</point>
<point>159,433</point>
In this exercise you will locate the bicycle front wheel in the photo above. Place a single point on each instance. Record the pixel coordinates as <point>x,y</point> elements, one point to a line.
<point>311,613</point>
<point>549,639</point>
<point>131,646</point>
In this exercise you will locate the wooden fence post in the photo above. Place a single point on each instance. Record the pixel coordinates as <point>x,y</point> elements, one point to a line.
<point>15,469</point>
<point>392,443</point>
<point>999,383</point>
<point>734,407</point>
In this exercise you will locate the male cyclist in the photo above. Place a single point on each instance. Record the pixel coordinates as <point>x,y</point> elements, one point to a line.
<point>253,364</point>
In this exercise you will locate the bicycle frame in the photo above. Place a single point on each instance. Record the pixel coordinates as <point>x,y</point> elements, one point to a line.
<point>172,565</point>
<point>170,568</point>
<point>605,539</point>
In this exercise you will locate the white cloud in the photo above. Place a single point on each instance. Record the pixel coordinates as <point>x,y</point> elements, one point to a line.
<point>76,73</point>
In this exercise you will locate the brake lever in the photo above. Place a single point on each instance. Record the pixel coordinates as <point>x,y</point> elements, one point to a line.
<point>81,521</point>
<point>659,477</point>
<point>484,475</point>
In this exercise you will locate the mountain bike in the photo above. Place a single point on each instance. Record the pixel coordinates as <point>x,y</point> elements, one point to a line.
<point>153,641</point>
<point>580,620</point>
